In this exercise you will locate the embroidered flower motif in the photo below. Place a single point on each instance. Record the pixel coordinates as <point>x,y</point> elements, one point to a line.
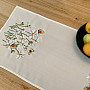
<point>16,31</point>
<point>88,77</point>
<point>24,29</point>
<point>13,46</point>
<point>29,25</point>
<point>86,88</point>
<point>30,51</point>
<point>21,37</point>
<point>40,31</point>
<point>8,44</point>
<point>20,55</point>
<point>33,34</point>
<point>36,41</point>
<point>15,37</point>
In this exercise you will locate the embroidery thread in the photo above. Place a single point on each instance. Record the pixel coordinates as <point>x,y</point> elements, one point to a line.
<point>88,86</point>
<point>21,38</point>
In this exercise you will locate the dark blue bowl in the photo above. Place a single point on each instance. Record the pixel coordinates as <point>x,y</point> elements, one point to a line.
<point>79,38</point>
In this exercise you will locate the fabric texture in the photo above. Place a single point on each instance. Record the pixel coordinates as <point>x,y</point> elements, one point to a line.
<point>56,62</point>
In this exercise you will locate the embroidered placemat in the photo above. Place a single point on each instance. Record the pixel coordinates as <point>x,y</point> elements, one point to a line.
<point>43,52</point>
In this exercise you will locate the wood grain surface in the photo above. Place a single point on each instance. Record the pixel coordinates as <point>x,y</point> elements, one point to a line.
<point>73,13</point>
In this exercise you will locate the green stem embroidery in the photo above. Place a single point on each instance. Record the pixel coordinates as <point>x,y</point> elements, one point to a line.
<point>20,35</point>
<point>12,51</point>
<point>17,51</point>
<point>5,41</point>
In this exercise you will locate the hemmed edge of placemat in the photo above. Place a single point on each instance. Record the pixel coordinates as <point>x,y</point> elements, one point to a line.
<point>37,15</point>
<point>46,18</point>
<point>21,77</point>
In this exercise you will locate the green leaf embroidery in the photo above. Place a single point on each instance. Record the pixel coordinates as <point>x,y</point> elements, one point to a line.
<point>20,34</point>
<point>30,42</point>
<point>5,45</point>
<point>17,51</point>
<point>28,32</point>
<point>26,47</point>
<point>12,51</point>
<point>17,45</point>
<point>5,41</point>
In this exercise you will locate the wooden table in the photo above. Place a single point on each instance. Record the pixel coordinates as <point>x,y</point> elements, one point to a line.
<point>73,13</point>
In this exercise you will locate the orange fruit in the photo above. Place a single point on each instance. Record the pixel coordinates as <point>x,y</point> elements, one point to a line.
<point>88,27</point>
<point>86,49</point>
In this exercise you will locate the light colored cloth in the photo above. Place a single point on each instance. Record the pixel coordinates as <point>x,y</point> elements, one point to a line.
<point>56,64</point>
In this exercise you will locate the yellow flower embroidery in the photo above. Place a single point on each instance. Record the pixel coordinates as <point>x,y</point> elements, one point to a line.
<point>40,31</point>
<point>86,88</point>
<point>22,39</point>
<point>9,44</point>
<point>16,31</point>
<point>20,55</point>
<point>30,51</point>
<point>36,41</point>
<point>13,46</point>
<point>33,34</point>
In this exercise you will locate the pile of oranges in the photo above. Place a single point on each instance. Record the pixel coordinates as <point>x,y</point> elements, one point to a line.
<point>86,39</point>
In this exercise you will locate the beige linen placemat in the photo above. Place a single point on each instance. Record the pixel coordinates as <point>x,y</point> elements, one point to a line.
<point>43,52</point>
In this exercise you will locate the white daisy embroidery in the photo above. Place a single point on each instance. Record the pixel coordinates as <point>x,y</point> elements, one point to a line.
<point>21,39</point>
